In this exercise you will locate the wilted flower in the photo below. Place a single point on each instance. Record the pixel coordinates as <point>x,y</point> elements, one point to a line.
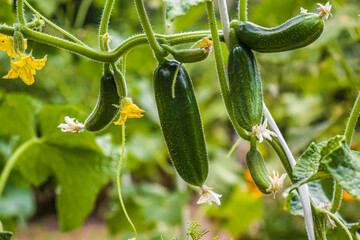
<point>324,11</point>
<point>71,126</point>
<point>261,132</point>
<point>326,206</point>
<point>208,196</point>
<point>205,44</point>
<point>276,182</point>
<point>24,67</point>
<point>129,110</point>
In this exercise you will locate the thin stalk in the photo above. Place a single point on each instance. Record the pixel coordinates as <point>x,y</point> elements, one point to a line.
<point>145,23</point>
<point>174,81</point>
<point>11,162</point>
<point>243,10</point>
<point>20,12</point>
<point>233,148</point>
<point>118,179</point>
<point>105,22</point>
<point>303,190</point>
<point>220,67</point>
<point>225,22</point>
<point>337,198</point>
<point>66,33</point>
<point>81,14</point>
<point>337,221</point>
<point>350,127</point>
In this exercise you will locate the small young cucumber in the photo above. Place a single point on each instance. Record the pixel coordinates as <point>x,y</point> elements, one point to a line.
<point>297,32</point>
<point>245,87</point>
<point>104,111</point>
<point>181,123</point>
<point>190,55</point>
<point>258,171</point>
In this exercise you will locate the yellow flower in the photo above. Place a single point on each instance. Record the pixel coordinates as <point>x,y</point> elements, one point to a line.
<point>7,44</point>
<point>24,67</point>
<point>129,110</point>
<point>206,44</point>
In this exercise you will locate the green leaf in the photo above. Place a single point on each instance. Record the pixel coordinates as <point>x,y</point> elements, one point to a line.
<point>176,8</point>
<point>344,165</point>
<point>18,116</point>
<point>50,116</point>
<point>5,235</point>
<point>80,174</point>
<point>17,202</point>
<point>307,168</point>
<point>32,164</point>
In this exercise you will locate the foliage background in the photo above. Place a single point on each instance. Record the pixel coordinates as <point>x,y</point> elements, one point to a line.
<point>309,91</point>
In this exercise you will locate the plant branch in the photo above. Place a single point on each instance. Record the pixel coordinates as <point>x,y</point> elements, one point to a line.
<point>20,12</point>
<point>337,198</point>
<point>243,10</point>
<point>100,56</point>
<point>66,33</point>
<point>220,67</point>
<point>159,52</point>
<point>105,22</point>
<point>351,124</point>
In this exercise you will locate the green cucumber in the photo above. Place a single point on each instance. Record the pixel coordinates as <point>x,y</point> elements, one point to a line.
<point>258,171</point>
<point>245,87</point>
<point>297,32</point>
<point>190,55</point>
<point>104,111</point>
<point>181,123</point>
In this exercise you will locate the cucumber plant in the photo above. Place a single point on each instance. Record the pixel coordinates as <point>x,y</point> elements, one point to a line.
<point>179,115</point>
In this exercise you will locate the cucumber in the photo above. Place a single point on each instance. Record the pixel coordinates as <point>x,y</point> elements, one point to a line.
<point>190,55</point>
<point>258,171</point>
<point>181,123</point>
<point>297,32</point>
<point>104,111</point>
<point>245,87</point>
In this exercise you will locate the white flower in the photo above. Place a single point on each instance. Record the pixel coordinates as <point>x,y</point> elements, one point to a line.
<point>261,132</point>
<point>208,196</point>
<point>71,126</point>
<point>324,11</point>
<point>276,182</point>
<point>303,11</point>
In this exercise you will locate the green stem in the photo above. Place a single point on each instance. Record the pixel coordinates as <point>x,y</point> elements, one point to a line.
<point>221,69</point>
<point>337,221</point>
<point>54,25</point>
<point>118,179</point>
<point>350,127</point>
<point>20,12</point>
<point>155,46</point>
<point>243,10</point>
<point>337,198</point>
<point>275,144</point>
<point>11,162</point>
<point>81,14</point>
<point>234,147</point>
<point>105,21</point>
<point>99,56</point>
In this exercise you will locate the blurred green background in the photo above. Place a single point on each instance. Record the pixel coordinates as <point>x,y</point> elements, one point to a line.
<point>68,183</point>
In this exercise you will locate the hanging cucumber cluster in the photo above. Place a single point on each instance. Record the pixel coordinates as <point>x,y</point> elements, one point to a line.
<point>245,88</point>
